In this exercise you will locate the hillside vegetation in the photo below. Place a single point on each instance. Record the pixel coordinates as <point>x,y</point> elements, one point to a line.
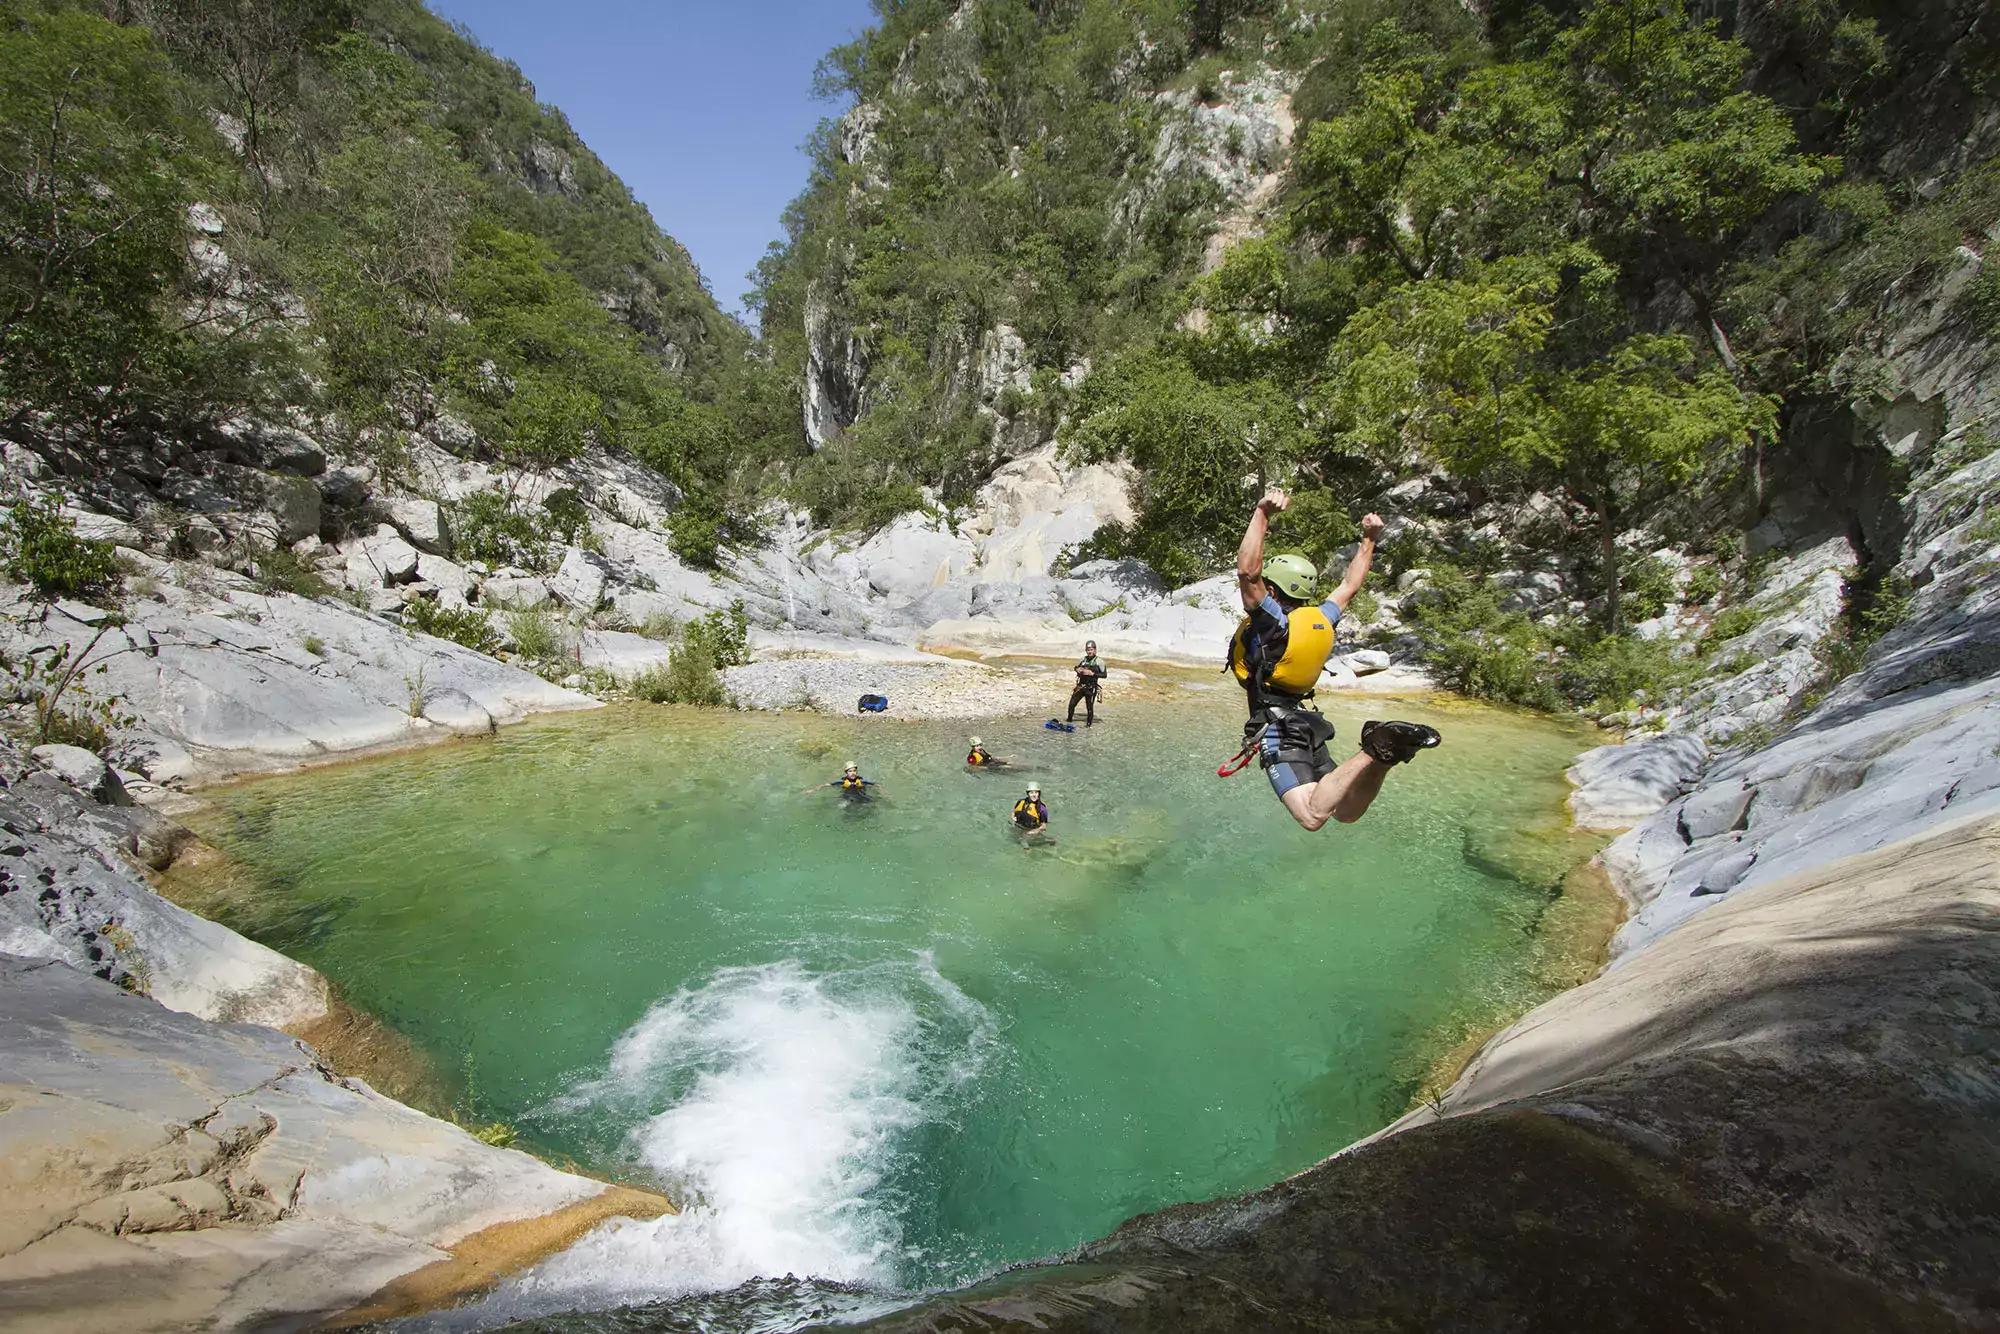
<point>342,211</point>
<point>1559,287</point>
<point>1630,262</point>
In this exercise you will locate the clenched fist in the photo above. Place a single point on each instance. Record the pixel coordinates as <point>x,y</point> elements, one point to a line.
<point>1274,500</point>
<point>1371,527</point>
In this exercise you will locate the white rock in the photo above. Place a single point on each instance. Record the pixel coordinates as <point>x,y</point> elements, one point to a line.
<point>1716,809</point>
<point>332,1190</point>
<point>1366,661</point>
<point>579,582</point>
<point>621,654</point>
<point>83,771</point>
<point>382,559</point>
<point>419,521</point>
<point>1618,786</point>
<point>514,593</point>
<point>443,574</point>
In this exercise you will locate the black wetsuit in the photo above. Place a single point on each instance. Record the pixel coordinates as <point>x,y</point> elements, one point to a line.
<point>1090,674</point>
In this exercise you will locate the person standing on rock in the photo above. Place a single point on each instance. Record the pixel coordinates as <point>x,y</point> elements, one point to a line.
<point>1090,676</point>
<point>1278,652</point>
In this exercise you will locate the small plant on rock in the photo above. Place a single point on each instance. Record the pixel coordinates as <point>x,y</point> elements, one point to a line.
<point>461,625</point>
<point>655,685</point>
<point>282,570</point>
<point>489,526</point>
<point>47,677</point>
<point>536,634</point>
<point>691,678</point>
<point>661,626</point>
<point>1704,585</point>
<point>43,549</point>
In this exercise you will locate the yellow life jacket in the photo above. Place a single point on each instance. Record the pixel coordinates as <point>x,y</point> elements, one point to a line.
<point>1308,644</point>
<point>852,782</point>
<point>1032,811</point>
<point>977,757</point>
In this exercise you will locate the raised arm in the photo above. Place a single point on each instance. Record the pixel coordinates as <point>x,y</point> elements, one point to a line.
<point>1250,556</point>
<point>1364,560</point>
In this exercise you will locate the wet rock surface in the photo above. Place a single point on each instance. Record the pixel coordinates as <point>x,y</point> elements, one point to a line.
<point>220,1171</point>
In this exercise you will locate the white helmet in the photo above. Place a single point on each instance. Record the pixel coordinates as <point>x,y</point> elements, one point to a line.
<point>1034,789</point>
<point>850,765</point>
<point>975,741</point>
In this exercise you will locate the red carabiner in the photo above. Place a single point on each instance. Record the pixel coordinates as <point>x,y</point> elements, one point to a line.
<point>1235,763</point>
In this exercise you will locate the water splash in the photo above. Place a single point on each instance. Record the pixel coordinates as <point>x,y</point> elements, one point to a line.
<point>774,1103</point>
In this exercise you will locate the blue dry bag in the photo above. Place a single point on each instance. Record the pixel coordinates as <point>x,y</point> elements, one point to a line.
<point>1056,725</point>
<point>872,704</point>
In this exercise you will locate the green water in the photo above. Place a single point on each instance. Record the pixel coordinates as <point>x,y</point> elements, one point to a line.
<point>888,1045</point>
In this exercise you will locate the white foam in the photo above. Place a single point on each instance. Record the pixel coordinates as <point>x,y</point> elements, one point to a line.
<point>782,1097</point>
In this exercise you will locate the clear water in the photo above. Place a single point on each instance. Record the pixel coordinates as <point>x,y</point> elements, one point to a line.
<point>889,1046</point>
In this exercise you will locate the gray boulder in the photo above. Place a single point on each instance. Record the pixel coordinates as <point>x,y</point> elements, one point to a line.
<point>419,521</point>
<point>1368,661</point>
<point>623,655</point>
<point>347,487</point>
<point>170,1172</point>
<point>580,580</point>
<point>1716,809</point>
<point>92,911</point>
<point>83,771</point>
<point>1097,586</point>
<point>381,560</point>
<point>514,592</point>
<point>274,448</point>
<point>444,575</point>
<point>293,504</point>
<point>1617,786</point>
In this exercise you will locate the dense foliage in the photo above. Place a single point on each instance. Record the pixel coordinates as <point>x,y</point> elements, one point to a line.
<point>345,205</point>
<point>999,169</point>
<point>42,549</point>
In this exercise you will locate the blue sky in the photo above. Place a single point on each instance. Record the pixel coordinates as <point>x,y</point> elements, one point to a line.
<point>700,105</point>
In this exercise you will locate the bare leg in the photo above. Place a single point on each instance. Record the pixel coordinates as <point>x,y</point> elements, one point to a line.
<point>1343,795</point>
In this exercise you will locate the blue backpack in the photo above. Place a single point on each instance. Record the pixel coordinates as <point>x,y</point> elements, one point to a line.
<point>872,704</point>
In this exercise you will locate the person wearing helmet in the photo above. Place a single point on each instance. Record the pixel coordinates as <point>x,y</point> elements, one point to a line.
<point>1090,676</point>
<point>1278,652</point>
<point>853,787</point>
<point>981,758</point>
<point>1031,816</point>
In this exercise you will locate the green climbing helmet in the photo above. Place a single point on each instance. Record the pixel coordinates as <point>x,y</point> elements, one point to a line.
<point>1294,576</point>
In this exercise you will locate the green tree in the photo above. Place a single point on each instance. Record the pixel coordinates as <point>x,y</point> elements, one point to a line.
<point>256,53</point>
<point>1468,374</point>
<point>100,157</point>
<point>1203,449</point>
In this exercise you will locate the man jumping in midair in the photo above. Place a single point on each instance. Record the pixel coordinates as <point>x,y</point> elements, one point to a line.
<point>1278,652</point>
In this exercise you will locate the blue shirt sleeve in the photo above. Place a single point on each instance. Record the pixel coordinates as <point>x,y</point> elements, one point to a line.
<point>1268,614</point>
<point>1332,610</point>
